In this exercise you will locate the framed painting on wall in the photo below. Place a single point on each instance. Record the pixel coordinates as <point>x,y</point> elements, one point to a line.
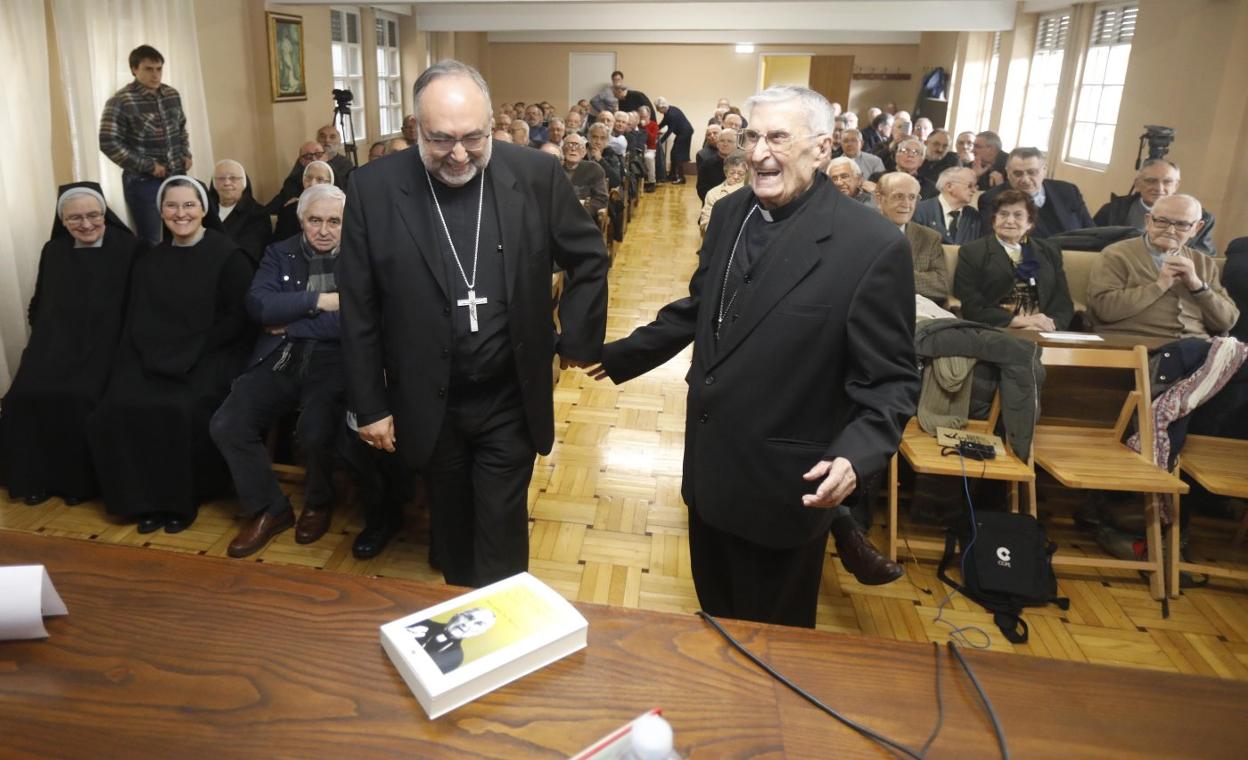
<point>286,74</point>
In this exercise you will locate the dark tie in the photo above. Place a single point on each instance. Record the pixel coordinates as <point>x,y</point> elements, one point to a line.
<point>953,223</point>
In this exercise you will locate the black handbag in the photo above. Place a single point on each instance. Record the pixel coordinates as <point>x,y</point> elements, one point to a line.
<point>1009,567</point>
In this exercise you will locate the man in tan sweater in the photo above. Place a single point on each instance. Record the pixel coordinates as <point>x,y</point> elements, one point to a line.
<point>1155,285</point>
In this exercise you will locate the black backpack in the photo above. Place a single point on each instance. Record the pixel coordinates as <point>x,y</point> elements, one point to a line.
<point>1009,567</point>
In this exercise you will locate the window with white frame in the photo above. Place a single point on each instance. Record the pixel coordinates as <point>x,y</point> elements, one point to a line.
<point>389,76</point>
<point>1100,91</point>
<point>983,116</point>
<point>1043,81</point>
<point>348,63</point>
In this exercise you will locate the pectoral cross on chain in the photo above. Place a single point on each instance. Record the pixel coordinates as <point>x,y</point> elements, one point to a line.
<point>472,302</point>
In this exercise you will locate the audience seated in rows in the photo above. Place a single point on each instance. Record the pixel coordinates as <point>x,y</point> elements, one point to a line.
<point>711,169</point>
<point>1060,203</point>
<point>847,177</point>
<point>293,184</point>
<point>950,213</point>
<point>897,194</point>
<point>520,132</point>
<point>1157,178</point>
<point>533,116</point>
<point>909,159</point>
<point>1009,278</point>
<point>988,159</point>
<point>735,171</point>
<point>587,177</point>
<point>938,156</point>
<point>852,148</point>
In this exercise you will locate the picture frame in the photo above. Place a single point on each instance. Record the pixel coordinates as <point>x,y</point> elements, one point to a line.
<point>287,77</point>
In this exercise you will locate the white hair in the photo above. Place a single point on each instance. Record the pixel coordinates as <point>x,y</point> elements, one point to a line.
<point>951,175</point>
<point>818,110</point>
<point>660,102</point>
<point>845,161</point>
<point>893,178</point>
<point>319,193</point>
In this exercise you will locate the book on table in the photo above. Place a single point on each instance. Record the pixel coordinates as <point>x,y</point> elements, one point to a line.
<point>453,652</point>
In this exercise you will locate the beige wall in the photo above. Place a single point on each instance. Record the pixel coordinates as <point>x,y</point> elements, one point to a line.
<point>786,69</point>
<point>692,77</point>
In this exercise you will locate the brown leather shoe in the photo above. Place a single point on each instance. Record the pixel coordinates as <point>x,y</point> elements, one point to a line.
<point>312,524</point>
<point>257,533</point>
<point>868,565</point>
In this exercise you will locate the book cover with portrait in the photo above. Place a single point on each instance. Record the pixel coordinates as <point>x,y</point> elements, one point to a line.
<point>453,652</point>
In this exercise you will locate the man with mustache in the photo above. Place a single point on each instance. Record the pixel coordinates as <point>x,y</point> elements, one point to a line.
<point>448,335</point>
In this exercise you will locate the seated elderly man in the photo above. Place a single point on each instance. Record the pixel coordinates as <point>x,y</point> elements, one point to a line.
<point>1156,285</point>
<point>396,144</point>
<point>880,131</point>
<point>709,148</point>
<point>1157,178</point>
<point>897,194</point>
<point>335,154</point>
<point>711,171</point>
<point>735,171</point>
<point>376,150</point>
<point>1060,203</point>
<point>552,149</point>
<point>733,121</point>
<point>847,177</point>
<point>951,214</point>
<point>574,122</point>
<point>909,159</point>
<point>619,132</point>
<point>288,224</point>
<point>851,119</point>
<point>501,135</point>
<point>923,128</point>
<point>938,157</point>
<point>886,149</point>
<point>587,177</point>
<point>988,159</point>
<point>555,132</point>
<point>851,144</point>
<point>964,148</point>
<point>520,132</point>
<point>534,116</point>
<point>296,364</point>
<point>293,184</point>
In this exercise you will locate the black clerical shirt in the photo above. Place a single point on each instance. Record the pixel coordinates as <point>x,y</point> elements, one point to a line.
<point>762,231</point>
<point>486,354</point>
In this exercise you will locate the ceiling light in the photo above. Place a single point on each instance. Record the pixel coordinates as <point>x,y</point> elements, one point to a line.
<point>745,47</point>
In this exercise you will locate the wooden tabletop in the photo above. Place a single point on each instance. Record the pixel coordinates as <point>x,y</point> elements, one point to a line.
<point>1108,340</point>
<point>168,655</point>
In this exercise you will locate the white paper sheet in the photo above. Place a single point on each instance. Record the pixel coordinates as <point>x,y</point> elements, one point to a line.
<point>1072,336</point>
<point>26,595</point>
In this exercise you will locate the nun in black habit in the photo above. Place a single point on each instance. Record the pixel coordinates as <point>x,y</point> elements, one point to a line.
<point>75,315</point>
<point>185,339</point>
<point>242,219</point>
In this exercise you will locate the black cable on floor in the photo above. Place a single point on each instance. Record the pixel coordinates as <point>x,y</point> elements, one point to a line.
<point>992,713</point>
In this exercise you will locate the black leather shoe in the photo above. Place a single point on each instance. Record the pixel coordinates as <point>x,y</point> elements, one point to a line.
<point>35,499</point>
<point>868,565</point>
<point>151,523</point>
<point>373,539</point>
<point>178,523</point>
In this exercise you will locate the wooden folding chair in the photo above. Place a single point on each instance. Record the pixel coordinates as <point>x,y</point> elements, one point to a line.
<point>1096,458</point>
<point>1220,465</point>
<point>926,456</point>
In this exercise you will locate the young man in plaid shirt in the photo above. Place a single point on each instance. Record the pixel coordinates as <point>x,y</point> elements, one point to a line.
<point>143,130</point>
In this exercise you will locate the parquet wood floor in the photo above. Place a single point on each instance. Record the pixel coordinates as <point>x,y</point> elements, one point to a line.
<point>608,524</point>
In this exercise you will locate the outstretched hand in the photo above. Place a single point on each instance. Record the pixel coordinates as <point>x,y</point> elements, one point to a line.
<point>839,481</point>
<point>597,371</point>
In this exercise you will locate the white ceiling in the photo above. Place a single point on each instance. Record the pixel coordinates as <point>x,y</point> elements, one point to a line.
<point>760,21</point>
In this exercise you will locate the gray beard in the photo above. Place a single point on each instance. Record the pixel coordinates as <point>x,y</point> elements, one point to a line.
<point>460,180</point>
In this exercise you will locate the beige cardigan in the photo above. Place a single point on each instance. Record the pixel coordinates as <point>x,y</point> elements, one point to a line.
<point>1124,297</point>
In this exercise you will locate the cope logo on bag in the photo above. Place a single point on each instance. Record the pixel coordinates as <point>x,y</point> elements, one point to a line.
<point>1003,556</point>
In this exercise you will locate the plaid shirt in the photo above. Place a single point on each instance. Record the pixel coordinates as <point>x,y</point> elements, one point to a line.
<point>141,128</point>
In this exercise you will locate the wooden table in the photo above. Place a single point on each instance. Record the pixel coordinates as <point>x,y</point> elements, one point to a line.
<point>167,655</point>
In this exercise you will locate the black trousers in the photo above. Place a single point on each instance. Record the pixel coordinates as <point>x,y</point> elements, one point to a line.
<point>478,480</point>
<point>259,399</point>
<point>737,578</point>
<point>383,480</point>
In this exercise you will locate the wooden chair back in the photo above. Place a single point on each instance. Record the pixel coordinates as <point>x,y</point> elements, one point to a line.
<point>1138,403</point>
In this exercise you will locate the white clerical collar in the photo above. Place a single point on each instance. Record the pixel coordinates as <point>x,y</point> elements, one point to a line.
<point>765,214</point>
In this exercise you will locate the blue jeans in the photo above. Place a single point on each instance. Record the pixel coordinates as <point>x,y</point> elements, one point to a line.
<point>140,191</point>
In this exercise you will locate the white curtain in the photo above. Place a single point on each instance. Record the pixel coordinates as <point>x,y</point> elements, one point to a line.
<point>95,38</point>
<point>27,189</point>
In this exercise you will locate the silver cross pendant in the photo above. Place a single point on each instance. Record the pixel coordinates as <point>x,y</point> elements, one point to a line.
<point>472,302</point>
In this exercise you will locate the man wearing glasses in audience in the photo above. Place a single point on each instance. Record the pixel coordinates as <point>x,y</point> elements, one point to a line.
<point>1061,204</point>
<point>909,159</point>
<point>1156,179</point>
<point>293,185</point>
<point>801,316</point>
<point>951,213</point>
<point>1158,286</point>
<point>448,334</point>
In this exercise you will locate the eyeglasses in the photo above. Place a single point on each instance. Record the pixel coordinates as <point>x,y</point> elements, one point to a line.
<point>228,178</point>
<point>909,152</point>
<point>174,207</point>
<point>91,217</point>
<point>312,156</point>
<point>778,141</point>
<point>1005,215</point>
<point>1162,223</point>
<point>446,143</point>
<point>899,197</point>
<point>573,146</point>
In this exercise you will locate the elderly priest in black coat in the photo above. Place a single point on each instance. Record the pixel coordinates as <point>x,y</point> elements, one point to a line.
<point>448,332</point>
<point>801,314</point>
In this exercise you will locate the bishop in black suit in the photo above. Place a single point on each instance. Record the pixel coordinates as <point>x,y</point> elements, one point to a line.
<point>801,315</point>
<point>448,333</point>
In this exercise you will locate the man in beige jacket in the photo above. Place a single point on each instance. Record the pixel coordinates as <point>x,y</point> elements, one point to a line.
<point>1155,285</point>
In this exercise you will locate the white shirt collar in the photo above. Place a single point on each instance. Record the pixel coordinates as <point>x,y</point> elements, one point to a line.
<point>1040,197</point>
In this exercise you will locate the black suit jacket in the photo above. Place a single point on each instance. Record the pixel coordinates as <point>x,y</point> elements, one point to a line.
<point>820,364</point>
<point>985,277</point>
<point>930,213</point>
<point>1064,209</point>
<point>397,304</point>
<point>1114,214</point>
